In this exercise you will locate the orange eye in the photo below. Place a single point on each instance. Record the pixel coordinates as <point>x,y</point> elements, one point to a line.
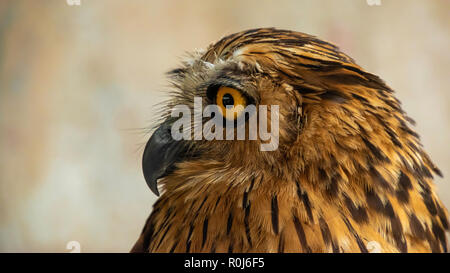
<point>231,102</point>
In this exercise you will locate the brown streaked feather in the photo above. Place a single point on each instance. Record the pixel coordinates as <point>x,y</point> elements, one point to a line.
<point>349,170</point>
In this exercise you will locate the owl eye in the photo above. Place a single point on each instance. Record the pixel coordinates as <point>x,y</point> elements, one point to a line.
<point>231,102</point>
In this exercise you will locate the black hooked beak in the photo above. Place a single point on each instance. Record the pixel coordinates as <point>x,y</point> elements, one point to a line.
<point>160,155</point>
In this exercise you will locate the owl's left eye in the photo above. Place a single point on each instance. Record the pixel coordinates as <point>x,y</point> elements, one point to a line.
<point>231,102</point>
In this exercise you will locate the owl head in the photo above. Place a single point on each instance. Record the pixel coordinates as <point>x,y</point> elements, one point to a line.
<point>318,109</point>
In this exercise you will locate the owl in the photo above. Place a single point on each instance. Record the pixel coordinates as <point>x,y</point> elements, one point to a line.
<point>343,171</point>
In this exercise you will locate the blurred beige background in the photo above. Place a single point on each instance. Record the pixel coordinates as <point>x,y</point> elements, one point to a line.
<point>78,86</point>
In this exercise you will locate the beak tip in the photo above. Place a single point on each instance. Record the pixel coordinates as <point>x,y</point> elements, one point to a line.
<point>153,185</point>
<point>155,190</point>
